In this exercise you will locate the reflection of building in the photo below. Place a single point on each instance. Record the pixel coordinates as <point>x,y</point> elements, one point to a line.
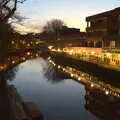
<point>103,106</point>
<point>104,27</point>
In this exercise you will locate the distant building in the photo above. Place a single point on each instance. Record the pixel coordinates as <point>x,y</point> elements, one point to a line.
<point>103,30</point>
<point>67,30</point>
<point>73,40</point>
<point>70,37</point>
<point>65,37</point>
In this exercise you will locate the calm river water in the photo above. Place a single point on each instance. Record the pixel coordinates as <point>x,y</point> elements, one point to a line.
<point>60,96</point>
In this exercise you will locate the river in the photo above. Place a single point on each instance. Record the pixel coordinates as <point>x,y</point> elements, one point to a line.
<point>58,95</point>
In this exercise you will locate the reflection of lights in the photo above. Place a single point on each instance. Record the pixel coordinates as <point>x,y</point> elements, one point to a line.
<point>82,75</point>
<point>50,47</point>
<point>106,92</point>
<point>58,66</point>
<point>28,53</point>
<point>91,80</point>
<point>23,42</point>
<point>23,58</point>
<point>1,67</point>
<point>71,75</point>
<point>108,54</point>
<point>37,43</point>
<point>13,42</point>
<point>59,50</point>
<point>13,61</point>
<point>50,61</point>
<point>48,58</point>
<point>28,45</point>
<point>36,55</point>
<point>92,85</point>
<point>93,52</point>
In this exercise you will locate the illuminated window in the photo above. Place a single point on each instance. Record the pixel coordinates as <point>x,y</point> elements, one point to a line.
<point>112,44</point>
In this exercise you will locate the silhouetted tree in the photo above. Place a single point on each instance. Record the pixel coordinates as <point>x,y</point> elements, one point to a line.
<point>8,8</point>
<point>54,27</point>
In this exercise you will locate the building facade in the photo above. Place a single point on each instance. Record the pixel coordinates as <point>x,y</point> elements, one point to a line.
<point>103,29</point>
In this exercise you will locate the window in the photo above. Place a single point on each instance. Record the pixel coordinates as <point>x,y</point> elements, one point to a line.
<point>112,44</point>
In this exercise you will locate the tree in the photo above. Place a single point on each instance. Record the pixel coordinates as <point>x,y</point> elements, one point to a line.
<point>54,27</point>
<point>8,8</point>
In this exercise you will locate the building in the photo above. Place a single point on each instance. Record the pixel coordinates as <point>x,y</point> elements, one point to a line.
<point>65,37</point>
<point>68,31</point>
<point>103,30</point>
<point>71,38</point>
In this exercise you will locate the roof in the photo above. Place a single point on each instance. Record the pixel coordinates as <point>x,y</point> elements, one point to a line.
<point>113,12</point>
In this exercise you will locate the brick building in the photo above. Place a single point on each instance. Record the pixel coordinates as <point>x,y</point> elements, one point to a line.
<point>103,29</point>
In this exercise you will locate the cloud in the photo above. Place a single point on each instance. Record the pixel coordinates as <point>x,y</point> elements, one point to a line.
<point>35,26</point>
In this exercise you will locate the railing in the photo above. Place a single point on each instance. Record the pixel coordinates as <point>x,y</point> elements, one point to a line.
<point>111,50</point>
<point>93,55</point>
<point>100,27</point>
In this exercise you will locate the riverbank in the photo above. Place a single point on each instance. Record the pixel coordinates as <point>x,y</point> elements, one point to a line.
<point>104,74</point>
<point>92,55</point>
<point>53,92</point>
<point>16,108</point>
<point>18,51</point>
<point>86,79</point>
<point>15,57</point>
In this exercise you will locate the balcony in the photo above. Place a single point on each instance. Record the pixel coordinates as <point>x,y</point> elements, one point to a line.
<point>96,28</point>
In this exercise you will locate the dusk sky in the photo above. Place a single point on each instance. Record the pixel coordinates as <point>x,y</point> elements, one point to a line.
<point>72,12</point>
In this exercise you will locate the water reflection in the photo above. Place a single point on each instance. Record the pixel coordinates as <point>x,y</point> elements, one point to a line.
<point>60,91</point>
<point>54,100</point>
<point>102,106</point>
<point>53,75</point>
<point>102,100</point>
<point>13,106</point>
<point>88,79</point>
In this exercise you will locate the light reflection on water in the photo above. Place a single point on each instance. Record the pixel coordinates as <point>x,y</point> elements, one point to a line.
<point>88,79</point>
<point>64,99</point>
<point>58,95</point>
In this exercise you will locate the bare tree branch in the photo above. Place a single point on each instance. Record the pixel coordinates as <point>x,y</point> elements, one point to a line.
<point>22,1</point>
<point>6,11</point>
